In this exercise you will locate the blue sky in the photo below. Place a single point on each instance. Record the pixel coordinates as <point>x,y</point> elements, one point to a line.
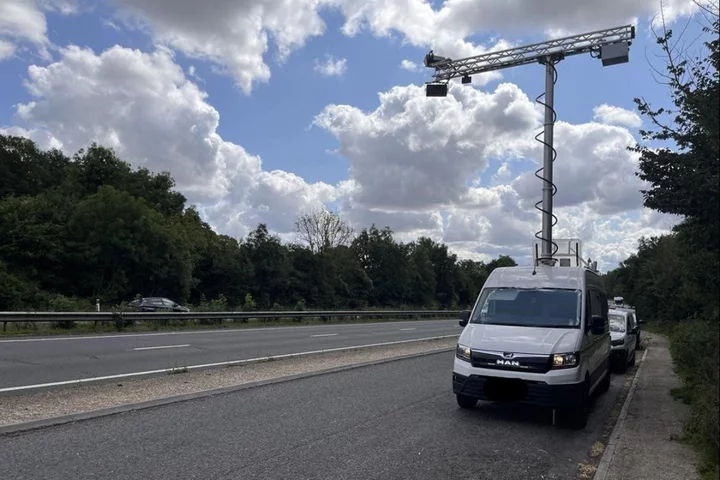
<point>275,120</point>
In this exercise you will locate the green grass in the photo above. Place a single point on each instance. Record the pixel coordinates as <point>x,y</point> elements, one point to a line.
<point>683,394</point>
<point>657,327</point>
<point>694,345</point>
<point>84,328</point>
<point>694,348</point>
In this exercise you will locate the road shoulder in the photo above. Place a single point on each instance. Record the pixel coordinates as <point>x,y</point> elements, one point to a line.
<point>47,408</point>
<point>645,443</point>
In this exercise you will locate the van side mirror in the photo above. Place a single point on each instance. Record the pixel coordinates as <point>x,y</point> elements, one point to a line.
<point>597,325</point>
<point>464,317</point>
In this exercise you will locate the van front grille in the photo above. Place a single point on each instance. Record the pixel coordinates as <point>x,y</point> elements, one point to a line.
<point>517,362</point>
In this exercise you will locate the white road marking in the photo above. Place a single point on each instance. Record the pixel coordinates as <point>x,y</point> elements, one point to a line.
<point>162,346</point>
<point>324,335</point>
<point>406,329</point>
<point>218,331</point>
<point>218,364</point>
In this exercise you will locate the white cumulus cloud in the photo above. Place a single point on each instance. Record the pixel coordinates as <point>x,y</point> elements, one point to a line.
<point>143,106</point>
<point>430,151</point>
<point>613,115</point>
<point>593,167</point>
<point>7,49</point>
<point>410,66</point>
<point>21,21</point>
<point>427,147</point>
<point>234,36</point>
<point>23,24</point>
<point>331,66</point>
<point>447,28</point>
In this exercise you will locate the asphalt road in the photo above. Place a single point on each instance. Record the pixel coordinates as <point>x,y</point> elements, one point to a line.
<point>397,420</point>
<point>40,360</point>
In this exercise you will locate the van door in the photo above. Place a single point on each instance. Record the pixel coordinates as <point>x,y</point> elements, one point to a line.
<point>598,349</point>
<point>631,331</point>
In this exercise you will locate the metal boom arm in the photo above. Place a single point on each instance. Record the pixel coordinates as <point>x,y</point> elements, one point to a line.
<point>611,46</point>
<point>558,48</point>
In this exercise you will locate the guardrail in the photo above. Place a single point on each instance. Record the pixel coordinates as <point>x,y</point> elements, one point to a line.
<point>124,318</point>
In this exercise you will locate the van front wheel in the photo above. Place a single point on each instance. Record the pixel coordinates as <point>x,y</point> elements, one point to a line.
<point>466,402</point>
<point>623,365</point>
<point>577,417</point>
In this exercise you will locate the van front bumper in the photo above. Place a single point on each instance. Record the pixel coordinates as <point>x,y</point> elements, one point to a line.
<point>518,390</point>
<point>619,354</point>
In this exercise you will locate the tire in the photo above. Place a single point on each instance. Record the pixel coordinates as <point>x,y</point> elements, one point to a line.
<point>623,364</point>
<point>578,416</point>
<point>466,402</point>
<point>605,383</point>
<point>637,343</point>
<point>632,362</point>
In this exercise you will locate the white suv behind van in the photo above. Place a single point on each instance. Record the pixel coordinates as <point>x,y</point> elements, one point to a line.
<point>536,335</point>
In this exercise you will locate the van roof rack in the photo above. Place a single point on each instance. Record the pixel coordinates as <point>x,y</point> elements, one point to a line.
<point>621,306</point>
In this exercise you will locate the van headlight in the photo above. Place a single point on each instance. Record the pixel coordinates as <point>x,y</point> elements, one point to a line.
<point>565,360</point>
<point>462,352</point>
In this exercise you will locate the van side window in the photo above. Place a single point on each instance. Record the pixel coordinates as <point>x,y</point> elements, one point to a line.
<point>595,302</point>
<point>593,306</point>
<point>603,304</point>
<point>588,308</point>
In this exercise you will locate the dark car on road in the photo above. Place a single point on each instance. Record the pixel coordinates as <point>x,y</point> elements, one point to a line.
<point>157,304</point>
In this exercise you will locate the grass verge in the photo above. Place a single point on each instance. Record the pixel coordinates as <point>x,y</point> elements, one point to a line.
<point>695,348</point>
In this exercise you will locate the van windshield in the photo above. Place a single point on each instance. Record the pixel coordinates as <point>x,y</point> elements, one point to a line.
<point>536,307</point>
<point>617,323</point>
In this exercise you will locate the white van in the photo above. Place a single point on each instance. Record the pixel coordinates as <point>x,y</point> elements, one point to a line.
<point>536,335</point>
<point>623,335</point>
<point>619,305</point>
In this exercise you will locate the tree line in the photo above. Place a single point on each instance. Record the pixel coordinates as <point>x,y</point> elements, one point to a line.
<point>92,227</point>
<point>674,280</point>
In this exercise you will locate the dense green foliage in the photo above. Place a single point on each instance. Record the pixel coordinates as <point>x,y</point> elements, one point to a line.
<point>674,280</point>
<point>87,227</point>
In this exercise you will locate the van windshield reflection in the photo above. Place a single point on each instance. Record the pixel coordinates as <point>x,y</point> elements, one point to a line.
<point>536,307</point>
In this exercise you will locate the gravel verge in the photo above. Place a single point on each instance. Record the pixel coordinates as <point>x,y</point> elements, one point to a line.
<point>83,398</point>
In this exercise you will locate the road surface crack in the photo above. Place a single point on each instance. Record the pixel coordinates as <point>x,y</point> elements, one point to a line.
<point>21,362</point>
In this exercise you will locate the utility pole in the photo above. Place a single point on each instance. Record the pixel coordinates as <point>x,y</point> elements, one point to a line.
<point>612,46</point>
